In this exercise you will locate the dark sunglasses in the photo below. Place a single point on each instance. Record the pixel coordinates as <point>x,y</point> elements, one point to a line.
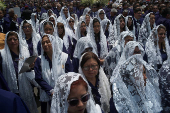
<point>74,102</point>
<point>71,21</point>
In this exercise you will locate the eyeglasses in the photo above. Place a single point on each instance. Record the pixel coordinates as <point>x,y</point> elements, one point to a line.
<point>71,21</point>
<point>25,27</point>
<point>74,102</point>
<point>93,67</point>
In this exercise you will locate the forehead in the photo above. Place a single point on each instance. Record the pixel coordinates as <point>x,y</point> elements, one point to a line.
<point>26,24</point>
<point>45,38</point>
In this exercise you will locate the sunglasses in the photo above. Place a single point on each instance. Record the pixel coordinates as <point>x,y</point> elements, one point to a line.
<point>71,21</point>
<point>74,102</point>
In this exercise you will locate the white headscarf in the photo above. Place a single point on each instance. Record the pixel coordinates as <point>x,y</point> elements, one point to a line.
<point>62,17</point>
<point>62,90</point>
<point>103,42</point>
<point>35,24</point>
<point>98,13</point>
<point>75,20</point>
<point>52,16</point>
<point>104,87</point>
<point>145,29</point>
<point>51,75</point>
<point>152,50</point>
<point>129,93</point>
<point>126,22</point>
<point>81,45</point>
<point>78,30</point>
<point>48,12</point>
<point>86,10</point>
<point>24,88</point>
<point>35,37</point>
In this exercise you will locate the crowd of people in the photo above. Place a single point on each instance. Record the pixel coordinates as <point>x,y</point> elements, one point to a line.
<point>90,58</point>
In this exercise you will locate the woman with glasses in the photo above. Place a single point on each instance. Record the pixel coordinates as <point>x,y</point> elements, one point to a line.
<point>29,37</point>
<point>48,68</point>
<point>101,15</point>
<point>11,60</point>
<point>90,68</point>
<point>72,94</point>
<point>35,22</point>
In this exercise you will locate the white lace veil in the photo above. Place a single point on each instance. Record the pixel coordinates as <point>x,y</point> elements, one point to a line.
<point>55,19</point>
<point>35,37</point>
<point>103,42</point>
<point>152,50</point>
<point>25,88</point>
<point>35,24</point>
<point>81,45</point>
<point>61,92</point>
<point>126,21</point>
<point>51,75</point>
<point>129,92</point>
<point>145,29</point>
<point>98,17</point>
<point>104,87</point>
<point>78,30</point>
<point>62,17</point>
<point>86,10</point>
<point>48,12</point>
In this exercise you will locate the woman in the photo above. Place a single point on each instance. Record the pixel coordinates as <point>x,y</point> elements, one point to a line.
<point>157,47</point>
<point>130,24</point>
<point>52,64</point>
<point>66,39</point>
<point>35,22</point>
<point>98,39</point>
<point>72,95</point>
<point>75,19</point>
<point>13,56</point>
<point>64,14</point>
<point>118,27</point>
<point>89,67</point>
<point>49,13</point>
<point>101,15</point>
<point>107,28</point>
<point>29,37</point>
<point>53,20</point>
<point>86,11</point>
<point>135,87</point>
<point>112,59</point>
<point>147,26</point>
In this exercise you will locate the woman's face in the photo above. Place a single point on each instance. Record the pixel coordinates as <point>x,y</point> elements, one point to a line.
<point>87,19</point>
<point>71,23</point>
<point>122,23</point>
<point>129,22</point>
<point>49,13</point>
<point>83,27</point>
<point>101,15</point>
<point>60,30</point>
<point>152,19</point>
<point>65,11</point>
<point>48,29</point>
<point>13,42</point>
<point>77,93</point>
<point>96,27</point>
<point>161,35</point>
<point>90,68</point>
<point>46,44</point>
<point>27,28</point>
<point>51,19</point>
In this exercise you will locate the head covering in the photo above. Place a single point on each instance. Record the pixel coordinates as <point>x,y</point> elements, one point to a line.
<point>62,90</point>
<point>98,13</point>
<point>86,10</point>
<point>51,75</point>
<point>103,42</point>
<point>78,30</point>
<point>81,45</point>
<point>75,20</point>
<point>129,91</point>
<point>104,87</point>
<point>52,16</point>
<point>35,36</point>
<point>24,88</point>
<point>35,22</point>
<point>48,12</point>
<point>126,22</point>
<point>145,29</point>
<point>152,50</point>
<point>62,17</point>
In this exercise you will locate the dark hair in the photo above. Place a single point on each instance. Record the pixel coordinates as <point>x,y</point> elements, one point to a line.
<point>88,56</point>
<point>165,12</point>
<point>95,20</point>
<point>85,24</point>
<point>121,17</point>
<point>130,27</point>
<point>62,26</point>
<point>137,10</point>
<point>48,23</point>
<point>11,33</point>
<point>87,50</point>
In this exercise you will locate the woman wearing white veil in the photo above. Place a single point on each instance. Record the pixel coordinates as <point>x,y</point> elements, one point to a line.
<point>129,22</point>
<point>98,39</point>
<point>13,56</point>
<point>64,14</point>
<point>29,37</point>
<point>89,67</point>
<point>35,22</point>
<point>87,10</point>
<point>112,59</point>
<point>146,28</point>
<point>49,67</point>
<point>53,19</point>
<point>65,87</point>
<point>157,47</point>
<point>101,15</point>
<point>75,19</point>
<point>49,13</point>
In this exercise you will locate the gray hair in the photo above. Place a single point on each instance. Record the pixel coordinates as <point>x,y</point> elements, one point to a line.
<point>10,10</point>
<point>114,10</point>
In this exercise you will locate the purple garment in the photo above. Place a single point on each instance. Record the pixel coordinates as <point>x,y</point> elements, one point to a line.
<point>3,83</point>
<point>5,23</point>
<point>75,62</point>
<point>111,18</point>
<point>30,46</point>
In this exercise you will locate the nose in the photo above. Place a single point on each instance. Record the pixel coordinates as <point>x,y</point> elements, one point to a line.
<point>80,103</point>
